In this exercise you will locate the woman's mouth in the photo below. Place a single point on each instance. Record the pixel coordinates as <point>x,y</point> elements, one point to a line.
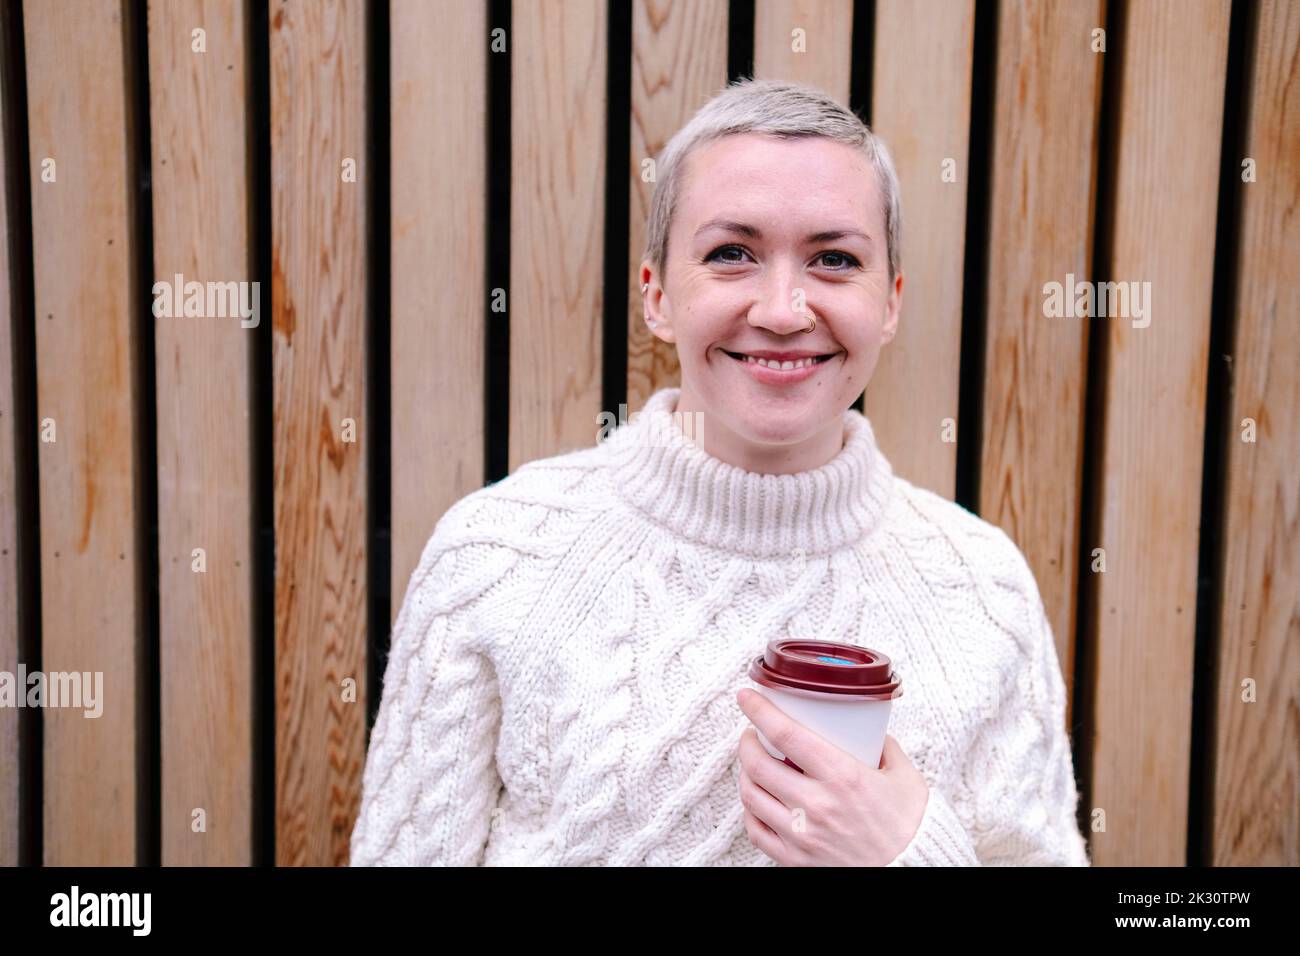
<point>780,372</point>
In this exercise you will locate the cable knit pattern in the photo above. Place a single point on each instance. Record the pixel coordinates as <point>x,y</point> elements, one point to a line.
<point>561,684</point>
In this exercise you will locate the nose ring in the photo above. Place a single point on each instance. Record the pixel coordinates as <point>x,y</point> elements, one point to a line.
<point>812,319</point>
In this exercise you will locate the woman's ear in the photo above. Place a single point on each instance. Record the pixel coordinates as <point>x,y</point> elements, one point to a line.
<point>892,308</point>
<point>657,314</point>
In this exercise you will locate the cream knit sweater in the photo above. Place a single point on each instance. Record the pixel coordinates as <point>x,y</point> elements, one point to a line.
<point>562,678</point>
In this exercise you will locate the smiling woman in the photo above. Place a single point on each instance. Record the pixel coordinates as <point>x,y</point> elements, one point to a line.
<point>565,679</point>
<point>756,233</point>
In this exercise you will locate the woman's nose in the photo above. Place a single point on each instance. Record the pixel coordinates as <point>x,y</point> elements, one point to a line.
<point>782,306</point>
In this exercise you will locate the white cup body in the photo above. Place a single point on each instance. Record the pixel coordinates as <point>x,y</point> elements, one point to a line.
<point>857,726</point>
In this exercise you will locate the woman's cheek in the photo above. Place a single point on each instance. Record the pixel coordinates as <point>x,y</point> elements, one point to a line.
<point>860,365</point>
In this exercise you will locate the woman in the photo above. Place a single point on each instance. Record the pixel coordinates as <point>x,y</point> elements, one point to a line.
<point>566,681</point>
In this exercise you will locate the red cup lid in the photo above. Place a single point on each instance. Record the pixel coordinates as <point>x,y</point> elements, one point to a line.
<point>826,667</point>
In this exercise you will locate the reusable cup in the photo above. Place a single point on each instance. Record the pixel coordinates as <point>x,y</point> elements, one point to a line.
<point>841,692</point>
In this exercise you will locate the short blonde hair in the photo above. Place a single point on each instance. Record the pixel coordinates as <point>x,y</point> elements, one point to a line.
<point>777,108</point>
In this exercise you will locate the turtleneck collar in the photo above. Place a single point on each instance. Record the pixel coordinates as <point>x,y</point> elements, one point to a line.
<point>663,474</point>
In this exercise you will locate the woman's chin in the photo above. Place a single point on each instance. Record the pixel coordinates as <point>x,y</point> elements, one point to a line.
<point>780,419</point>
<point>761,393</point>
<point>775,408</point>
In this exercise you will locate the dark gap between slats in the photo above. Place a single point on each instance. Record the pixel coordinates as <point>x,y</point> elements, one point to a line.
<point>863,63</point>
<point>379,364</point>
<point>1087,609</point>
<point>262,459</point>
<point>740,39</point>
<point>1219,431</point>
<point>496,398</point>
<point>618,132</point>
<point>148,676</point>
<point>17,186</point>
<point>974,304</point>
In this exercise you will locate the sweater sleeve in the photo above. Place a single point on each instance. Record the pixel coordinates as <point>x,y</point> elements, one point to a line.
<point>430,781</point>
<point>940,839</point>
<point>1026,807</point>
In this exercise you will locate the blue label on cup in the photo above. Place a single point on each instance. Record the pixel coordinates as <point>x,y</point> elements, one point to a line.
<point>836,660</point>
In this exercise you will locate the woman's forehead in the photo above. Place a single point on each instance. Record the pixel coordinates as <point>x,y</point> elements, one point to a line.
<point>807,179</point>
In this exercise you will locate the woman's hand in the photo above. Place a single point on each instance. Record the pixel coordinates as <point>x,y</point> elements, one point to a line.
<point>839,811</point>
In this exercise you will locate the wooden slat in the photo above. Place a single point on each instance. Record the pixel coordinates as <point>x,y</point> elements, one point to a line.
<point>438,176</point>
<point>557,226</point>
<point>679,60</point>
<point>1040,230</point>
<point>921,92</point>
<point>201,231</point>
<point>86,374</point>
<point>319,292</point>
<point>1256,802</point>
<point>1164,203</point>
<point>9,455</point>
<point>827,56</point>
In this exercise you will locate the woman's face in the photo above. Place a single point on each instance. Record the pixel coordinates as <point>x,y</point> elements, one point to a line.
<point>767,230</point>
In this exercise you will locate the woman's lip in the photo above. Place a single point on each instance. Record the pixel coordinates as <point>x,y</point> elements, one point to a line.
<point>766,375</point>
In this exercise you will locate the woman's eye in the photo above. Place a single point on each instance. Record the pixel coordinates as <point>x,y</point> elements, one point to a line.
<point>840,261</point>
<point>716,253</point>
<point>843,257</point>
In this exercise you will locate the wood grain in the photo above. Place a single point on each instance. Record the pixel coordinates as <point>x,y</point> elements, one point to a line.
<point>1043,171</point>
<point>1164,204</point>
<point>921,91</point>
<point>1256,780</point>
<point>826,58</point>
<point>87,316</point>
<point>9,457</point>
<point>319,299</point>
<point>438,176</point>
<point>679,60</point>
<point>557,227</point>
<point>199,144</point>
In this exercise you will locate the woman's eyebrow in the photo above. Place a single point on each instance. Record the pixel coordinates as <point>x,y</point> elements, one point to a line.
<point>828,235</point>
<point>833,234</point>
<point>729,225</point>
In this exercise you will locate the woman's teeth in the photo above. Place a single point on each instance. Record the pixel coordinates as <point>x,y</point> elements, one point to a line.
<point>773,363</point>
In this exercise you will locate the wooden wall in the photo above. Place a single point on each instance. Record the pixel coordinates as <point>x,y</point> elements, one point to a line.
<point>444,207</point>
